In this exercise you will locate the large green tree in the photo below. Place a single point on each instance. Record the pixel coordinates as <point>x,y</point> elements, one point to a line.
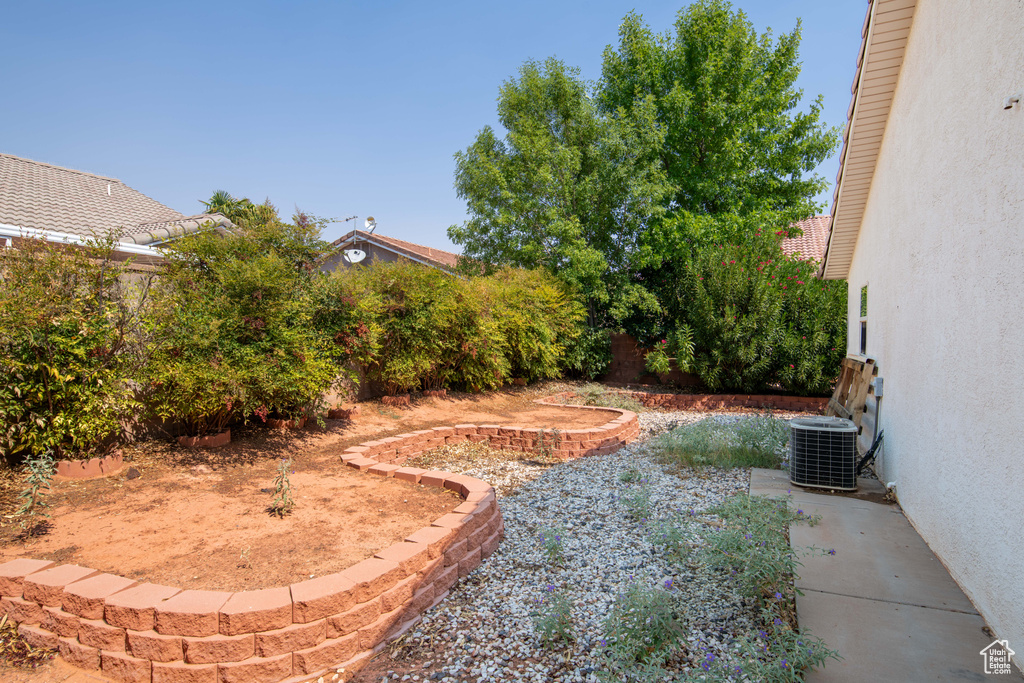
<point>726,100</point>
<point>567,189</point>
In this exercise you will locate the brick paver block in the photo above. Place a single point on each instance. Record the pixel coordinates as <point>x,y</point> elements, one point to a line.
<point>38,637</point>
<point>446,580</point>
<point>354,619</point>
<point>466,429</point>
<point>259,610</point>
<point>456,552</point>
<point>411,557</point>
<point>13,573</point>
<point>291,638</point>
<point>470,562</point>
<point>361,463</point>
<point>60,622</point>
<point>437,538</point>
<point>256,670</point>
<point>191,613</point>
<point>179,672</point>
<point>433,569</point>
<point>443,431</point>
<point>219,648</point>
<point>154,646</point>
<point>400,594</point>
<point>454,521</point>
<point>22,611</point>
<point>327,654</point>
<point>410,474</point>
<point>123,667</point>
<point>76,654</point>
<point>47,587</point>
<point>383,470</point>
<point>86,598</point>
<point>321,597</point>
<point>373,634</point>
<point>372,577</point>
<point>135,608</point>
<point>101,635</point>
<point>434,478</point>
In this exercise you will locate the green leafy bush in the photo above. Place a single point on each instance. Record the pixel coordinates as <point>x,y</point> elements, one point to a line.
<point>589,354</point>
<point>232,331</point>
<point>552,620</point>
<point>643,627</point>
<point>69,346</point>
<point>758,318</point>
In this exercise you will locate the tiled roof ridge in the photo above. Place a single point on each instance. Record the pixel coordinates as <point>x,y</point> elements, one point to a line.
<point>63,168</point>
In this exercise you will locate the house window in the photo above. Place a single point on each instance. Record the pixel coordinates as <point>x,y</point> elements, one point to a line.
<point>864,320</point>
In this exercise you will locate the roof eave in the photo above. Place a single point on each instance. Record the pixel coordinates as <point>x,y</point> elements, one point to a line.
<point>886,29</point>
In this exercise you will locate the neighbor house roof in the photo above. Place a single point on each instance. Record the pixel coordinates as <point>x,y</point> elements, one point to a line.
<point>40,196</point>
<point>884,41</point>
<point>810,245</point>
<point>438,258</point>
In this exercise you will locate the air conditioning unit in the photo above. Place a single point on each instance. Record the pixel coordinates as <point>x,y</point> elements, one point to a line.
<point>823,453</point>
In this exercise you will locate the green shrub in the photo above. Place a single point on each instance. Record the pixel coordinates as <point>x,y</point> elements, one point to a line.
<point>589,354</point>
<point>552,620</point>
<point>758,441</point>
<point>232,330</point>
<point>758,318</point>
<point>69,347</point>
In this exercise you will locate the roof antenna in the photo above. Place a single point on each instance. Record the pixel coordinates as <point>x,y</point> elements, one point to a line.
<point>370,224</point>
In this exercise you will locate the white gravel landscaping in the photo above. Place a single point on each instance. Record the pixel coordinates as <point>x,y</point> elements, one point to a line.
<point>484,630</point>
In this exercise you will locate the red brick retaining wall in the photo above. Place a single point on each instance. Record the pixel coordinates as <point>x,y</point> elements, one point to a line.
<point>718,401</point>
<point>158,634</point>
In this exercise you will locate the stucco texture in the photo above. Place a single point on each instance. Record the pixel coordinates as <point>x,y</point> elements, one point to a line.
<point>940,249</point>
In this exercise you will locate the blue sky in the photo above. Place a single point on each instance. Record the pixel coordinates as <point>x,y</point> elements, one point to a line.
<point>340,108</point>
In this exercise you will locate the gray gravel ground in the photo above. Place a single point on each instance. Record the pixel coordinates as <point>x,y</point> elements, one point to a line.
<point>484,631</point>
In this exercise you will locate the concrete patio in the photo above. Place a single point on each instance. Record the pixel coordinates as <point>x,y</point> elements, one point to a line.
<point>884,601</point>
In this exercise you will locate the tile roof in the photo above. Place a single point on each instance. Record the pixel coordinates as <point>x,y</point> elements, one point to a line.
<point>46,197</point>
<point>440,258</point>
<point>813,242</point>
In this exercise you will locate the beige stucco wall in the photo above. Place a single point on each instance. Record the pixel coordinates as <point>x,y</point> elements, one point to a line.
<point>941,249</point>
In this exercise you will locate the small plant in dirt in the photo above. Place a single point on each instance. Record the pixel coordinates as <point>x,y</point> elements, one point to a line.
<point>758,441</point>
<point>641,632</point>
<point>39,473</point>
<point>282,503</point>
<point>552,620</point>
<point>637,502</point>
<point>593,394</point>
<point>551,544</point>
<point>16,652</point>
<point>754,543</point>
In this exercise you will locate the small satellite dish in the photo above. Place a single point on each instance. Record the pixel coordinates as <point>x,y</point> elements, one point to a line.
<point>354,255</point>
<point>371,223</point>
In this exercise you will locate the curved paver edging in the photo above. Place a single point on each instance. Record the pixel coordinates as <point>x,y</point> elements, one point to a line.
<point>151,633</point>
<point>90,468</point>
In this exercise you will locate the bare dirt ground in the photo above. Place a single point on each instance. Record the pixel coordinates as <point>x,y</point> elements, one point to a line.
<point>182,504</point>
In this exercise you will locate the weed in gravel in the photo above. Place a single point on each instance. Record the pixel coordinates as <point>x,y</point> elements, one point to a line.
<point>754,544</point>
<point>282,503</point>
<point>776,654</point>
<point>547,444</point>
<point>671,538</point>
<point>637,502</point>
<point>641,632</point>
<point>16,652</point>
<point>552,620</point>
<point>551,544</point>
<point>630,476</point>
<point>756,441</point>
